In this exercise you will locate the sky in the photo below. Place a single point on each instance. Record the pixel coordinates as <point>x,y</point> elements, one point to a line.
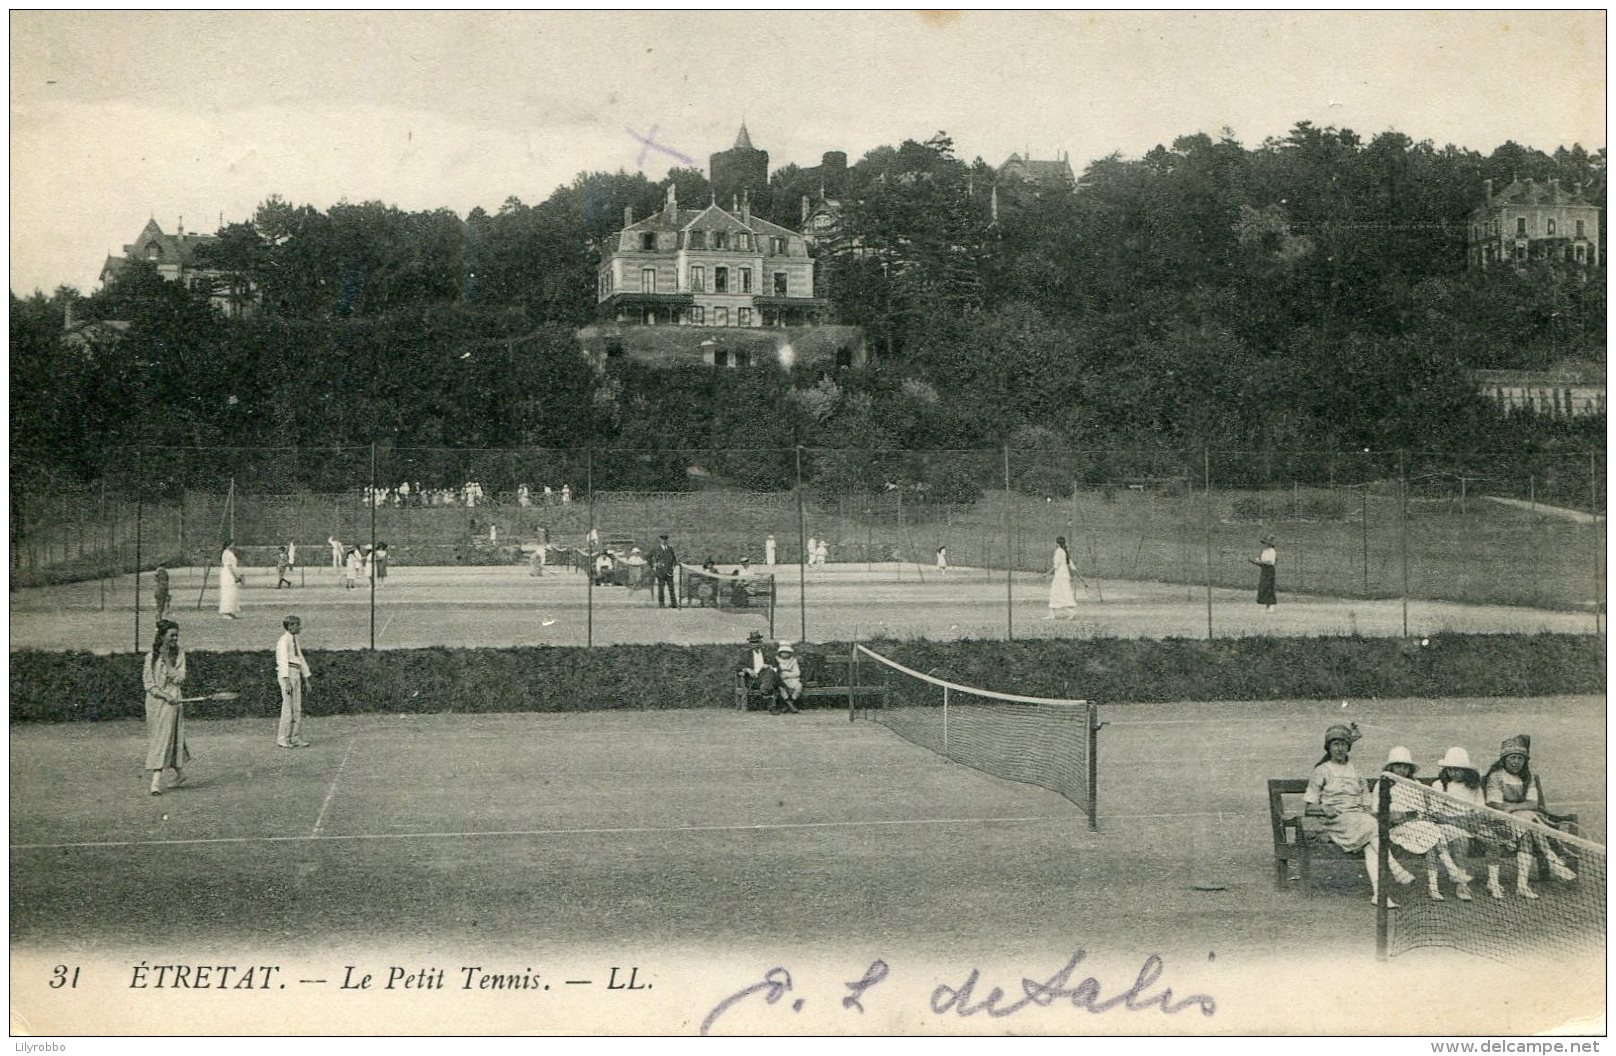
<point>118,117</point>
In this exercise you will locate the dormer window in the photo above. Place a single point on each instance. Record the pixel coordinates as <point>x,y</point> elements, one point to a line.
<point>743,241</point>
<point>153,251</point>
<point>648,240</point>
<point>698,240</point>
<point>720,239</point>
<point>1520,225</point>
<point>777,246</point>
<point>1551,227</point>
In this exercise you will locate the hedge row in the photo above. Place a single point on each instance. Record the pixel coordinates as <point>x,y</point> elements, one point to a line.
<point>58,687</point>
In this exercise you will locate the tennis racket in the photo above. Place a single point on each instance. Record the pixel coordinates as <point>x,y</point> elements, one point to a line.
<point>221,695</point>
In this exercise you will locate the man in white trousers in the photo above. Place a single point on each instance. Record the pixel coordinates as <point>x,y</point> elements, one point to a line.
<point>293,671</point>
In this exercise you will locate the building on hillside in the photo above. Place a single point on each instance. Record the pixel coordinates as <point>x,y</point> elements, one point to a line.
<point>174,256</point>
<point>742,169</point>
<point>707,267</point>
<point>1534,221</point>
<point>1574,388</point>
<point>1053,175</point>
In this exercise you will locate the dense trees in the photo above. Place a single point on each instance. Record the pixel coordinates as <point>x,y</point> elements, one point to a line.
<point>1310,292</point>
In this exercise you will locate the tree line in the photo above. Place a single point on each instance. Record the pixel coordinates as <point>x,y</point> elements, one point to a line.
<point>1311,292</point>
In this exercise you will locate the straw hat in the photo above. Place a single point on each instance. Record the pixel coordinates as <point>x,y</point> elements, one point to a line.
<point>1399,755</point>
<point>786,650</point>
<point>1520,744</point>
<point>1457,758</point>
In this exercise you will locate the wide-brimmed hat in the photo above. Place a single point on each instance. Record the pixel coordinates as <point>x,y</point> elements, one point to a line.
<point>786,650</point>
<point>1457,758</point>
<point>755,636</point>
<point>1266,540</point>
<point>1338,732</point>
<point>1399,755</point>
<point>1520,744</point>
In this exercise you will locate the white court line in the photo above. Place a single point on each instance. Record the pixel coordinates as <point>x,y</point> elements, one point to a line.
<point>319,822</point>
<point>623,831</point>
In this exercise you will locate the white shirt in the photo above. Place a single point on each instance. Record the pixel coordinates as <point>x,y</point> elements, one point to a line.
<point>291,553</point>
<point>758,661</point>
<point>227,560</point>
<point>289,656</point>
<point>1268,557</point>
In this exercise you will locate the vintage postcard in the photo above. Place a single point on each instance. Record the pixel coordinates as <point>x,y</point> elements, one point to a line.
<point>813,523</point>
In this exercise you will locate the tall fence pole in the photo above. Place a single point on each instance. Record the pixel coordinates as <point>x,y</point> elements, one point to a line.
<point>1531,539</point>
<point>802,549</point>
<point>1599,539</point>
<point>140,501</point>
<point>371,564</point>
<point>1009,562</point>
<point>589,550</point>
<point>1402,489</point>
<point>1206,517</point>
<point>1363,515</point>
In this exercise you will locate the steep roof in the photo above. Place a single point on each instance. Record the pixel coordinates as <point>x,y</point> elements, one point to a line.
<point>171,248</point>
<point>743,141</point>
<point>1051,171</point>
<point>685,219</point>
<point>1530,192</point>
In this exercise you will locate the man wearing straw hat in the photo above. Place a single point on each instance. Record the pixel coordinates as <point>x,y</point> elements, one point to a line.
<point>759,676</point>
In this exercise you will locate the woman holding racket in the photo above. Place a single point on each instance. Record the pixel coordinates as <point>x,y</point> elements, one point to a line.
<point>164,678</point>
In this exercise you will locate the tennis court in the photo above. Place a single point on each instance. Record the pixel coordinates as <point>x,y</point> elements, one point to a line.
<point>419,607</point>
<point>706,847</point>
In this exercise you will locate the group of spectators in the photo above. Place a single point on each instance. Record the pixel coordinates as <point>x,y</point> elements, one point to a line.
<point>470,495</point>
<point>1434,824</point>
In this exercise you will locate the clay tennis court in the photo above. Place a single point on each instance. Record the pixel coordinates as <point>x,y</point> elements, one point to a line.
<point>420,607</point>
<point>708,846</point>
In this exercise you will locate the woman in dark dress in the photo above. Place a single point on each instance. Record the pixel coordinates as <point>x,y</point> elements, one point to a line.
<point>1265,575</point>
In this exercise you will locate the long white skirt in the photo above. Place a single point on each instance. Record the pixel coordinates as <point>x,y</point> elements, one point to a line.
<point>1060,589</point>
<point>229,594</point>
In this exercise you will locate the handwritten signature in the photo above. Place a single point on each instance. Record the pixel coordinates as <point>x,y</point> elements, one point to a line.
<point>961,1000</point>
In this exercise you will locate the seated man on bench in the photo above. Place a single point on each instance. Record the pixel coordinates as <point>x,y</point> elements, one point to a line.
<point>760,677</point>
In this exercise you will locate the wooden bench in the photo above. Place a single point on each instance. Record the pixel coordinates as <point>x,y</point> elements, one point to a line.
<point>1299,839</point>
<point>826,681</point>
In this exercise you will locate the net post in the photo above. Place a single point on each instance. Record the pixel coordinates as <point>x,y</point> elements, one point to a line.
<point>945,720</point>
<point>1094,766</point>
<point>1383,827</point>
<point>852,678</point>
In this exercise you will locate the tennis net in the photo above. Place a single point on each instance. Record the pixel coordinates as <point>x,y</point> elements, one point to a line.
<point>1036,740</point>
<point>743,593</point>
<point>1565,871</point>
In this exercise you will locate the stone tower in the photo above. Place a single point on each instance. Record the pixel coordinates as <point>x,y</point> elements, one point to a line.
<point>742,167</point>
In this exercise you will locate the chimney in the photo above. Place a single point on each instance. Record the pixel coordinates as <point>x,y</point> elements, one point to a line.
<point>182,227</point>
<point>734,203</point>
<point>746,206</point>
<point>67,315</point>
<point>805,208</point>
<point>671,209</point>
<point>1489,185</point>
<point>628,216</point>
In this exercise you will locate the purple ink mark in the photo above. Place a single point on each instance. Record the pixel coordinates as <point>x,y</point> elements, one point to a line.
<point>648,143</point>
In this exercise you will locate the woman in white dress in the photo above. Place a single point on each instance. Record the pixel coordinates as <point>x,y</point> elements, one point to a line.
<point>1062,602</point>
<point>229,582</point>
